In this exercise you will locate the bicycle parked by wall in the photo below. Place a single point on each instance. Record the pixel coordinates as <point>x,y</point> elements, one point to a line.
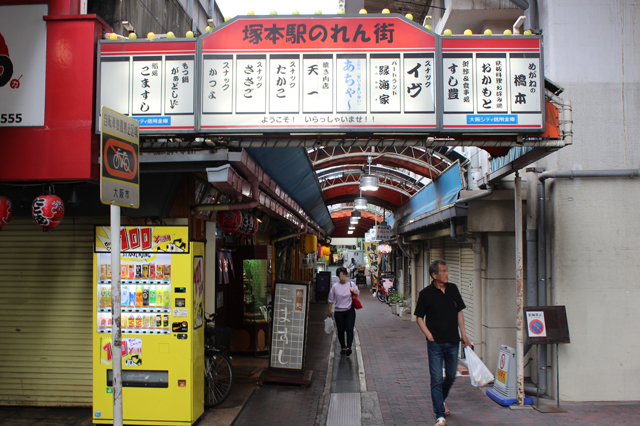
<point>386,287</point>
<point>218,371</point>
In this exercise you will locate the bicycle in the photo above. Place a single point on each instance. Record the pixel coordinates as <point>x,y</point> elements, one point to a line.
<point>382,292</point>
<point>218,370</point>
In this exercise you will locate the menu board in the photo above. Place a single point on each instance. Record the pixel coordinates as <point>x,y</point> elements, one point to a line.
<point>289,332</point>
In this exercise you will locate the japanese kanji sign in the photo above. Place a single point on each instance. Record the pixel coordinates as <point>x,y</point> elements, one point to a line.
<point>491,83</point>
<point>289,332</point>
<point>375,72</point>
<point>119,168</point>
<point>154,83</point>
<point>341,73</point>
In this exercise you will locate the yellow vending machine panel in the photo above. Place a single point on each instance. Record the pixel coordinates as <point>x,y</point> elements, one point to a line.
<point>162,296</point>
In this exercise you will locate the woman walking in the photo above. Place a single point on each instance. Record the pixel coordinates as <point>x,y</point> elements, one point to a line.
<point>341,294</point>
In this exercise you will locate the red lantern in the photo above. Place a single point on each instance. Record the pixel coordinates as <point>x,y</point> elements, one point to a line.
<point>48,211</point>
<point>6,211</point>
<point>238,222</point>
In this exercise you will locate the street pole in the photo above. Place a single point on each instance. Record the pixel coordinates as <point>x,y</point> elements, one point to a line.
<point>519,293</point>
<point>116,307</point>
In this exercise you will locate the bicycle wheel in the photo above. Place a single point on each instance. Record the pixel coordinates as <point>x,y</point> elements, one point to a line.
<point>381,296</point>
<point>218,378</point>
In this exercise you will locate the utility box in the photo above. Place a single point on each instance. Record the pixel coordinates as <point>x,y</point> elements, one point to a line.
<point>504,390</point>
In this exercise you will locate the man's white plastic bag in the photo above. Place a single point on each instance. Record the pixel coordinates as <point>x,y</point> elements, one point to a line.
<point>479,373</point>
<point>328,325</point>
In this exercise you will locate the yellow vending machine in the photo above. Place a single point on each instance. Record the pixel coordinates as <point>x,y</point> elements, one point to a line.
<point>162,297</point>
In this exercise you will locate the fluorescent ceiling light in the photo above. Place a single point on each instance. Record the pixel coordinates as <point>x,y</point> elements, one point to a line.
<point>360,203</point>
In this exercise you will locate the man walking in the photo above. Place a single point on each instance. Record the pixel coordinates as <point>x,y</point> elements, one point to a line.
<point>439,315</point>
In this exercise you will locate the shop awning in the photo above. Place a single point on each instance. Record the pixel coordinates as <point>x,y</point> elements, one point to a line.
<point>292,170</point>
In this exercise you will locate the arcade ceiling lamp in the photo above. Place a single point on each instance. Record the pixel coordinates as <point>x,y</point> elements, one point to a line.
<point>360,203</point>
<point>353,220</point>
<point>352,227</point>
<point>349,232</point>
<point>369,182</point>
<point>357,214</point>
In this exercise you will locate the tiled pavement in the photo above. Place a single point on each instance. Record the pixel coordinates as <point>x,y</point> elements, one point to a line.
<point>394,358</point>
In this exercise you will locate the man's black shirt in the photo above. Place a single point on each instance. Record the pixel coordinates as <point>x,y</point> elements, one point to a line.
<point>441,312</point>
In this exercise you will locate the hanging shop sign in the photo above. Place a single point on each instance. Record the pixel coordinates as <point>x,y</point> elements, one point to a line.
<point>369,72</point>
<point>151,82</point>
<point>492,83</point>
<point>341,73</point>
<point>145,239</point>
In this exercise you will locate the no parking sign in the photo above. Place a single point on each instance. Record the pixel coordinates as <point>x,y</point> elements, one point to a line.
<point>535,324</point>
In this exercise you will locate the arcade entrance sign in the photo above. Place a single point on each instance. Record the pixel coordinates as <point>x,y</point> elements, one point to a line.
<point>309,74</point>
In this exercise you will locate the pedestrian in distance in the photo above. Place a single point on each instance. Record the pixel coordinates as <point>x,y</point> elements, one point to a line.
<point>352,265</point>
<point>439,316</point>
<point>341,295</point>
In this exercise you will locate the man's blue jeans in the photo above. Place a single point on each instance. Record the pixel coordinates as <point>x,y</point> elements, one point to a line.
<point>440,353</point>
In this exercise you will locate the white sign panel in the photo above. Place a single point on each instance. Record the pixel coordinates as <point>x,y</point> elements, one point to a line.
<point>525,82</point>
<point>146,91</point>
<point>179,82</point>
<point>251,84</point>
<point>284,83</point>
<point>385,83</point>
<point>351,83</point>
<point>217,94</point>
<point>317,94</point>
<point>536,326</point>
<point>419,83</point>
<point>23,45</point>
<point>289,326</point>
<point>491,82</point>
<point>458,82</point>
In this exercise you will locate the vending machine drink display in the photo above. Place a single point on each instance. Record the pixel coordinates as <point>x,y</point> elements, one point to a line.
<point>162,296</point>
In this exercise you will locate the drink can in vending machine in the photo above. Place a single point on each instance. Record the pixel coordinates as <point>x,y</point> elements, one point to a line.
<point>124,321</point>
<point>139,321</point>
<point>132,271</point>
<point>167,272</point>
<point>152,271</point>
<point>103,272</point>
<point>145,296</point>
<point>102,321</point>
<point>159,272</point>
<point>109,271</point>
<point>165,322</point>
<point>152,321</point>
<point>138,271</point>
<point>124,271</point>
<point>145,271</point>
<point>139,297</point>
<point>152,295</point>
<point>158,321</point>
<point>132,321</point>
<point>145,321</point>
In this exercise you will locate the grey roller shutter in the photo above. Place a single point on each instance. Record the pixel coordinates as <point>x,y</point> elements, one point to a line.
<point>45,312</point>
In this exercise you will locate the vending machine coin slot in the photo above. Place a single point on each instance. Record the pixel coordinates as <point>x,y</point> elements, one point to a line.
<point>180,290</point>
<point>180,303</point>
<point>182,336</point>
<point>180,326</point>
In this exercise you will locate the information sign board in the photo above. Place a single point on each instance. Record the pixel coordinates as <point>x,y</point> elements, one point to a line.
<point>289,332</point>
<point>152,82</point>
<point>119,168</point>
<point>491,83</point>
<point>546,325</point>
<point>372,73</point>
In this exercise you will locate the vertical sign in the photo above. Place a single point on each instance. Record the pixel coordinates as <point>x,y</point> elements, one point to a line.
<point>146,91</point>
<point>317,94</point>
<point>178,85</point>
<point>419,82</point>
<point>119,169</point>
<point>352,83</point>
<point>385,83</point>
<point>217,95</point>
<point>288,337</point>
<point>525,83</point>
<point>251,84</point>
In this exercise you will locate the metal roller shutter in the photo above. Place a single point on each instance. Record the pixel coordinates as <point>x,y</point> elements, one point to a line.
<point>466,288</point>
<point>436,251</point>
<point>45,312</point>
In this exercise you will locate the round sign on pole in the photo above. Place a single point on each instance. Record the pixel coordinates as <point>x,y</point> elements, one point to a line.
<point>536,327</point>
